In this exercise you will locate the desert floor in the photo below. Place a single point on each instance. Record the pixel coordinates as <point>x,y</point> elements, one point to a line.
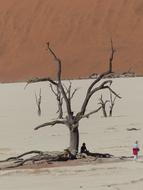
<point>18,117</point>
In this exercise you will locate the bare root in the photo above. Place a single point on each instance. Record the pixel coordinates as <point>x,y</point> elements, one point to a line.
<point>14,162</point>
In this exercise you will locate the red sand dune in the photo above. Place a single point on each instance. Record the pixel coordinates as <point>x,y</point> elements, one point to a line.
<point>79,31</point>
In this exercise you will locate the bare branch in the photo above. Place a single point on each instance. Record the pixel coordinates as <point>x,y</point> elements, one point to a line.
<point>113,92</point>
<point>90,90</point>
<point>111,98</point>
<point>95,111</point>
<point>60,109</point>
<point>89,95</point>
<point>40,80</point>
<point>53,90</point>
<point>74,93</point>
<point>69,95</point>
<point>105,85</point>
<point>59,100</point>
<point>52,123</point>
<point>58,61</point>
<point>111,57</point>
<point>69,91</point>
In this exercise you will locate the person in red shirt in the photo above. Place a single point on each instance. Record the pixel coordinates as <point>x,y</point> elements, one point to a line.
<point>135,150</point>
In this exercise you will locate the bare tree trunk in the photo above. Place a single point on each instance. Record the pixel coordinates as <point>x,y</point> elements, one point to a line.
<point>104,111</point>
<point>103,105</point>
<point>110,112</point>
<point>74,140</point>
<point>112,104</point>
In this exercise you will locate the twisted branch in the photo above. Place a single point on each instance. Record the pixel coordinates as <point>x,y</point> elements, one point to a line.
<point>52,123</point>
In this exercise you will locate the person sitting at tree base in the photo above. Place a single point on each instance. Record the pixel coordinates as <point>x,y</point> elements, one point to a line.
<point>83,149</point>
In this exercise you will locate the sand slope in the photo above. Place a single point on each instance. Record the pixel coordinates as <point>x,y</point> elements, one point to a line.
<point>79,31</point>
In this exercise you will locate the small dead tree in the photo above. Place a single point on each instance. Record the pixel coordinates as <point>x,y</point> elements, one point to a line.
<point>38,102</point>
<point>112,103</point>
<point>103,105</point>
<point>71,119</point>
<point>107,105</point>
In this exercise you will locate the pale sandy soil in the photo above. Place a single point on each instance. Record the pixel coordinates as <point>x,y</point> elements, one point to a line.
<point>18,117</point>
<point>79,31</point>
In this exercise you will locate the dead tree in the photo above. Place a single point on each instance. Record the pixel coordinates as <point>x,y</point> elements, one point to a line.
<point>71,119</point>
<point>38,102</point>
<point>107,105</point>
<point>103,105</point>
<point>112,103</point>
